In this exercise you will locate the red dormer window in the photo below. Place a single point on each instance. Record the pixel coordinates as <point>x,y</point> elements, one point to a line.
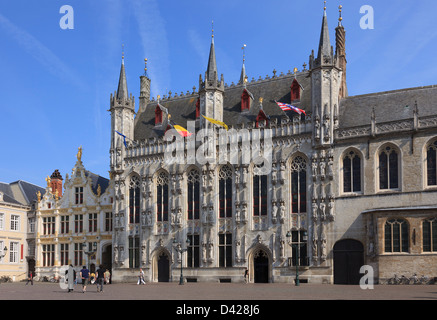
<point>262,117</point>
<point>158,115</point>
<point>245,101</point>
<point>198,108</point>
<point>295,90</point>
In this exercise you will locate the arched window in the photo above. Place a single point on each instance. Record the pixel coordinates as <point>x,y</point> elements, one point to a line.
<point>352,172</point>
<point>162,197</point>
<point>193,194</point>
<point>431,164</point>
<point>259,192</point>
<point>429,227</point>
<point>298,185</point>
<point>396,236</point>
<point>134,200</point>
<point>225,192</point>
<point>388,168</point>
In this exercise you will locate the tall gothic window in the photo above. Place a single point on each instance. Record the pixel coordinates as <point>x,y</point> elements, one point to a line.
<point>134,252</point>
<point>352,172</point>
<point>431,164</point>
<point>193,251</point>
<point>162,196</point>
<point>259,193</point>
<point>298,185</point>
<point>388,168</point>
<point>193,194</point>
<point>396,235</point>
<point>429,228</point>
<point>225,192</point>
<point>134,200</point>
<point>225,250</point>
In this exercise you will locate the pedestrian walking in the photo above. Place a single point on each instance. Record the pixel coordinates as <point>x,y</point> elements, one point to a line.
<point>100,278</point>
<point>141,277</point>
<point>30,278</point>
<point>246,275</point>
<point>71,277</point>
<point>84,275</point>
<point>107,276</point>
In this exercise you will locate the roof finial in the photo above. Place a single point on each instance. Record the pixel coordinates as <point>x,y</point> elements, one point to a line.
<point>145,66</point>
<point>244,52</point>
<point>122,53</point>
<point>340,19</point>
<point>324,9</point>
<point>212,29</point>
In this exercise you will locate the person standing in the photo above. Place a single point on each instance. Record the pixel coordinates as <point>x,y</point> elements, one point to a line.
<point>107,276</point>
<point>84,275</point>
<point>246,275</point>
<point>100,278</point>
<point>71,278</point>
<point>30,278</point>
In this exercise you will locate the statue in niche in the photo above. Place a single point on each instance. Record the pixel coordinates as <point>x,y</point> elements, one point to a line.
<point>315,209</point>
<point>282,248</point>
<point>323,248</point>
<point>322,207</point>
<point>237,249</point>
<point>149,217</point>
<point>317,127</point>
<point>237,211</point>
<point>314,168</point>
<point>322,166</point>
<point>274,211</point>
<point>282,212</point>
<point>330,170</point>
<point>331,214</point>
<point>274,173</point>
<point>327,128</point>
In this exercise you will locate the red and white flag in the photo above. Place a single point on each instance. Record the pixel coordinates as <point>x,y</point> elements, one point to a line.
<point>289,107</point>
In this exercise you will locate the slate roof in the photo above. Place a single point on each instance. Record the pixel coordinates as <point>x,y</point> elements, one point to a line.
<point>183,109</point>
<point>389,106</point>
<point>97,180</point>
<point>27,189</point>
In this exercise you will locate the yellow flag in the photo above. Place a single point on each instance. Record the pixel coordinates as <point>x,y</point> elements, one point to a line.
<point>220,123</point>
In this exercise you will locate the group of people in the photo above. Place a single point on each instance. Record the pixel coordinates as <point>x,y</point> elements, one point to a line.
<point>101,277</point>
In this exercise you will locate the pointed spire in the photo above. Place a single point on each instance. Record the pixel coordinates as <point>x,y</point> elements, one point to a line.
<point>325,43</point>
<point>122,92</point>
<point>243,76</point>
<point>211,72</point>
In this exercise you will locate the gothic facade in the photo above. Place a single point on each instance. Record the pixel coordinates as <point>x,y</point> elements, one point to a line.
<point>351,181</point>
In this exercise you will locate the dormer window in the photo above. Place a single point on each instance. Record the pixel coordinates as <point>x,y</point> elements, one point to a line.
<point>262,120</point>
<point>295,90</point>
<point>158,115</point>
<point>245,101</point>
<point>198,108</point>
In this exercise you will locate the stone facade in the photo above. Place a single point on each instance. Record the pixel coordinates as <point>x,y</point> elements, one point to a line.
<point>338,176</point>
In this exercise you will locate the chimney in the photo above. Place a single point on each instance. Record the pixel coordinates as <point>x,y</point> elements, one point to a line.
<point>56,183</point>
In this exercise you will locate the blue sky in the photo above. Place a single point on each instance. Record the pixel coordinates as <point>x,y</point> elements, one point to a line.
<point>56,83</point>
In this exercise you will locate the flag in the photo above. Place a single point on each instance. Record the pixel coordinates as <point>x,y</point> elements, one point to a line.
<point>124,138</point>
<point>181,130</point>
<point>220,123</point>
<point>289,107</point>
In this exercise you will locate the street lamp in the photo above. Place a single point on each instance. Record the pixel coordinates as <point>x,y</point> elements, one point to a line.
<point>181,251</point>
<point>290,242</point>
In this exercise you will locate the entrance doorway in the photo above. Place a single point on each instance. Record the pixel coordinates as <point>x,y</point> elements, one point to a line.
<point>163,268</point>
<point>348,259</point>
<point>261,267</point>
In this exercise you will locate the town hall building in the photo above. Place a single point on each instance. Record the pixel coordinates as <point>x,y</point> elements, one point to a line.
<point>351,181</point>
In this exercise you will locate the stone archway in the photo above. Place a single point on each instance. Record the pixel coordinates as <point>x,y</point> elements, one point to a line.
<point>260,264</point>
<point>161,262</point>
<point>348,259</point>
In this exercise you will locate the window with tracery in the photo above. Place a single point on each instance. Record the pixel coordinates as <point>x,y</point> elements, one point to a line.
<point>429,229</point>
<point>388,168</point>
<point>225,192</point>
<point>259,192</point>
<point>298,185</point>
<point>431,164</point>
<point>193,194</point>
<point>134,200</point>
<point>351,172</point>
<point>162,197</point>
<point>396,236</point>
